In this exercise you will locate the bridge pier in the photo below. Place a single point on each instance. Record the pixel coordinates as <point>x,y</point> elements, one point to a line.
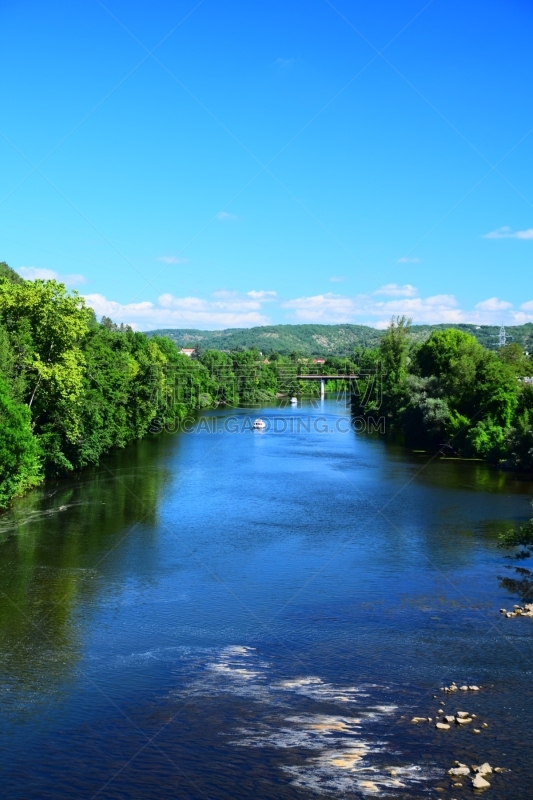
<point>322,388</point>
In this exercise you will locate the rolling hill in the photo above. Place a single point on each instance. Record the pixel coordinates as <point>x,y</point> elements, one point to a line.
<point>324,340</point>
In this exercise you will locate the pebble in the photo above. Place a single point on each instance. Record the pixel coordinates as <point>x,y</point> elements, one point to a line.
<point>519,611</point>
<point>484,769</point>
<point>462,770</point>
<point>480,783</point>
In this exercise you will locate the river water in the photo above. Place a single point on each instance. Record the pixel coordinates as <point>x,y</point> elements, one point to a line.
<point>232,614</point>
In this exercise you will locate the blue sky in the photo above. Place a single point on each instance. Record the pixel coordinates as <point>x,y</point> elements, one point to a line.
<point>207,164</point>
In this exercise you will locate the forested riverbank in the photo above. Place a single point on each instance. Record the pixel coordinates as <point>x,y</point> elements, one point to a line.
<point>72,388</point>
<point>451,393</point>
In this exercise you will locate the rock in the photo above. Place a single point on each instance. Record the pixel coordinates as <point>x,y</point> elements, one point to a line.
<point>459,764</point>
<point>430,719</point>
<point>462,714</point>
<point>474,688</point>
<point>484,724</point>
<point>440,711</point>
<point>510,614</point>
<point>484,769</point>
<point>464,688</point>
<point>442,726</point>
<point>517,606</point>
<point>418,719</point>
<point>499,770</point>
<point>457,785</point>
<point>477,730</point>
<point>480,783</point>
<point>463,720</point>
<point>450,718</point>
<point>459,771</point>
<point>503,611</point>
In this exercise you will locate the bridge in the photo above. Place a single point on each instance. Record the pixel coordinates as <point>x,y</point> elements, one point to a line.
<point>323,379</point>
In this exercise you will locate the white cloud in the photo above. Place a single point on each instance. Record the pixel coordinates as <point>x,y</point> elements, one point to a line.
<point>371,309</point>
<point>262,296</point>
<point>336,279</point>
<point>225,216</point>
<point>407,260</point>
<point>507,233</point>
<point>327,307</point>
<point>493,304</point>
<point>393,290</point>
<point>525,314</point>
<point>40,273</point>
<point>226,309</point>
<point>172,260</point>
<point>429,310</point>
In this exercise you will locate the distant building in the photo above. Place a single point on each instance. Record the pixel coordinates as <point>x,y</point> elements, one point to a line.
<point>187,351</point>
<point>319,360</point>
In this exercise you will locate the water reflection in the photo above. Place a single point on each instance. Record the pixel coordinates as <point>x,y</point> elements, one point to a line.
<point>54,545</point>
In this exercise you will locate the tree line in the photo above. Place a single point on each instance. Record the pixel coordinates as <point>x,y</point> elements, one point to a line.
<point>73,388</point>
<point>453,394</point>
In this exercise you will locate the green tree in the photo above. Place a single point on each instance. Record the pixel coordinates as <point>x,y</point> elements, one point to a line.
<point>19,452</point>
<point>9,274</point>
<point>46,326</point>
<point>394,357</point>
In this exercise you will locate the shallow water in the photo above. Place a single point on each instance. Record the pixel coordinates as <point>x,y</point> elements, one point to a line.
<point>261,614</point>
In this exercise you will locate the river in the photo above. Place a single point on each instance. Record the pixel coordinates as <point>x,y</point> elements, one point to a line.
<point>232,614</point>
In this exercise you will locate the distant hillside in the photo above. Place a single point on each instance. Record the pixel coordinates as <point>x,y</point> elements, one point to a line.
<point>324,340</point>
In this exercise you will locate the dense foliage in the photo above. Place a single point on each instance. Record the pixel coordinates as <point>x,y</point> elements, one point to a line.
<point>451,393</point>
<point>73,388</point>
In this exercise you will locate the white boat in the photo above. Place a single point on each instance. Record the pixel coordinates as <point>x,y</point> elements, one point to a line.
<point>259,425</point>
<point>294,401</point>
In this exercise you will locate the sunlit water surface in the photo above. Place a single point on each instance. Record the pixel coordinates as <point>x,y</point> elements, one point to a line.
<point>260,614</point>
